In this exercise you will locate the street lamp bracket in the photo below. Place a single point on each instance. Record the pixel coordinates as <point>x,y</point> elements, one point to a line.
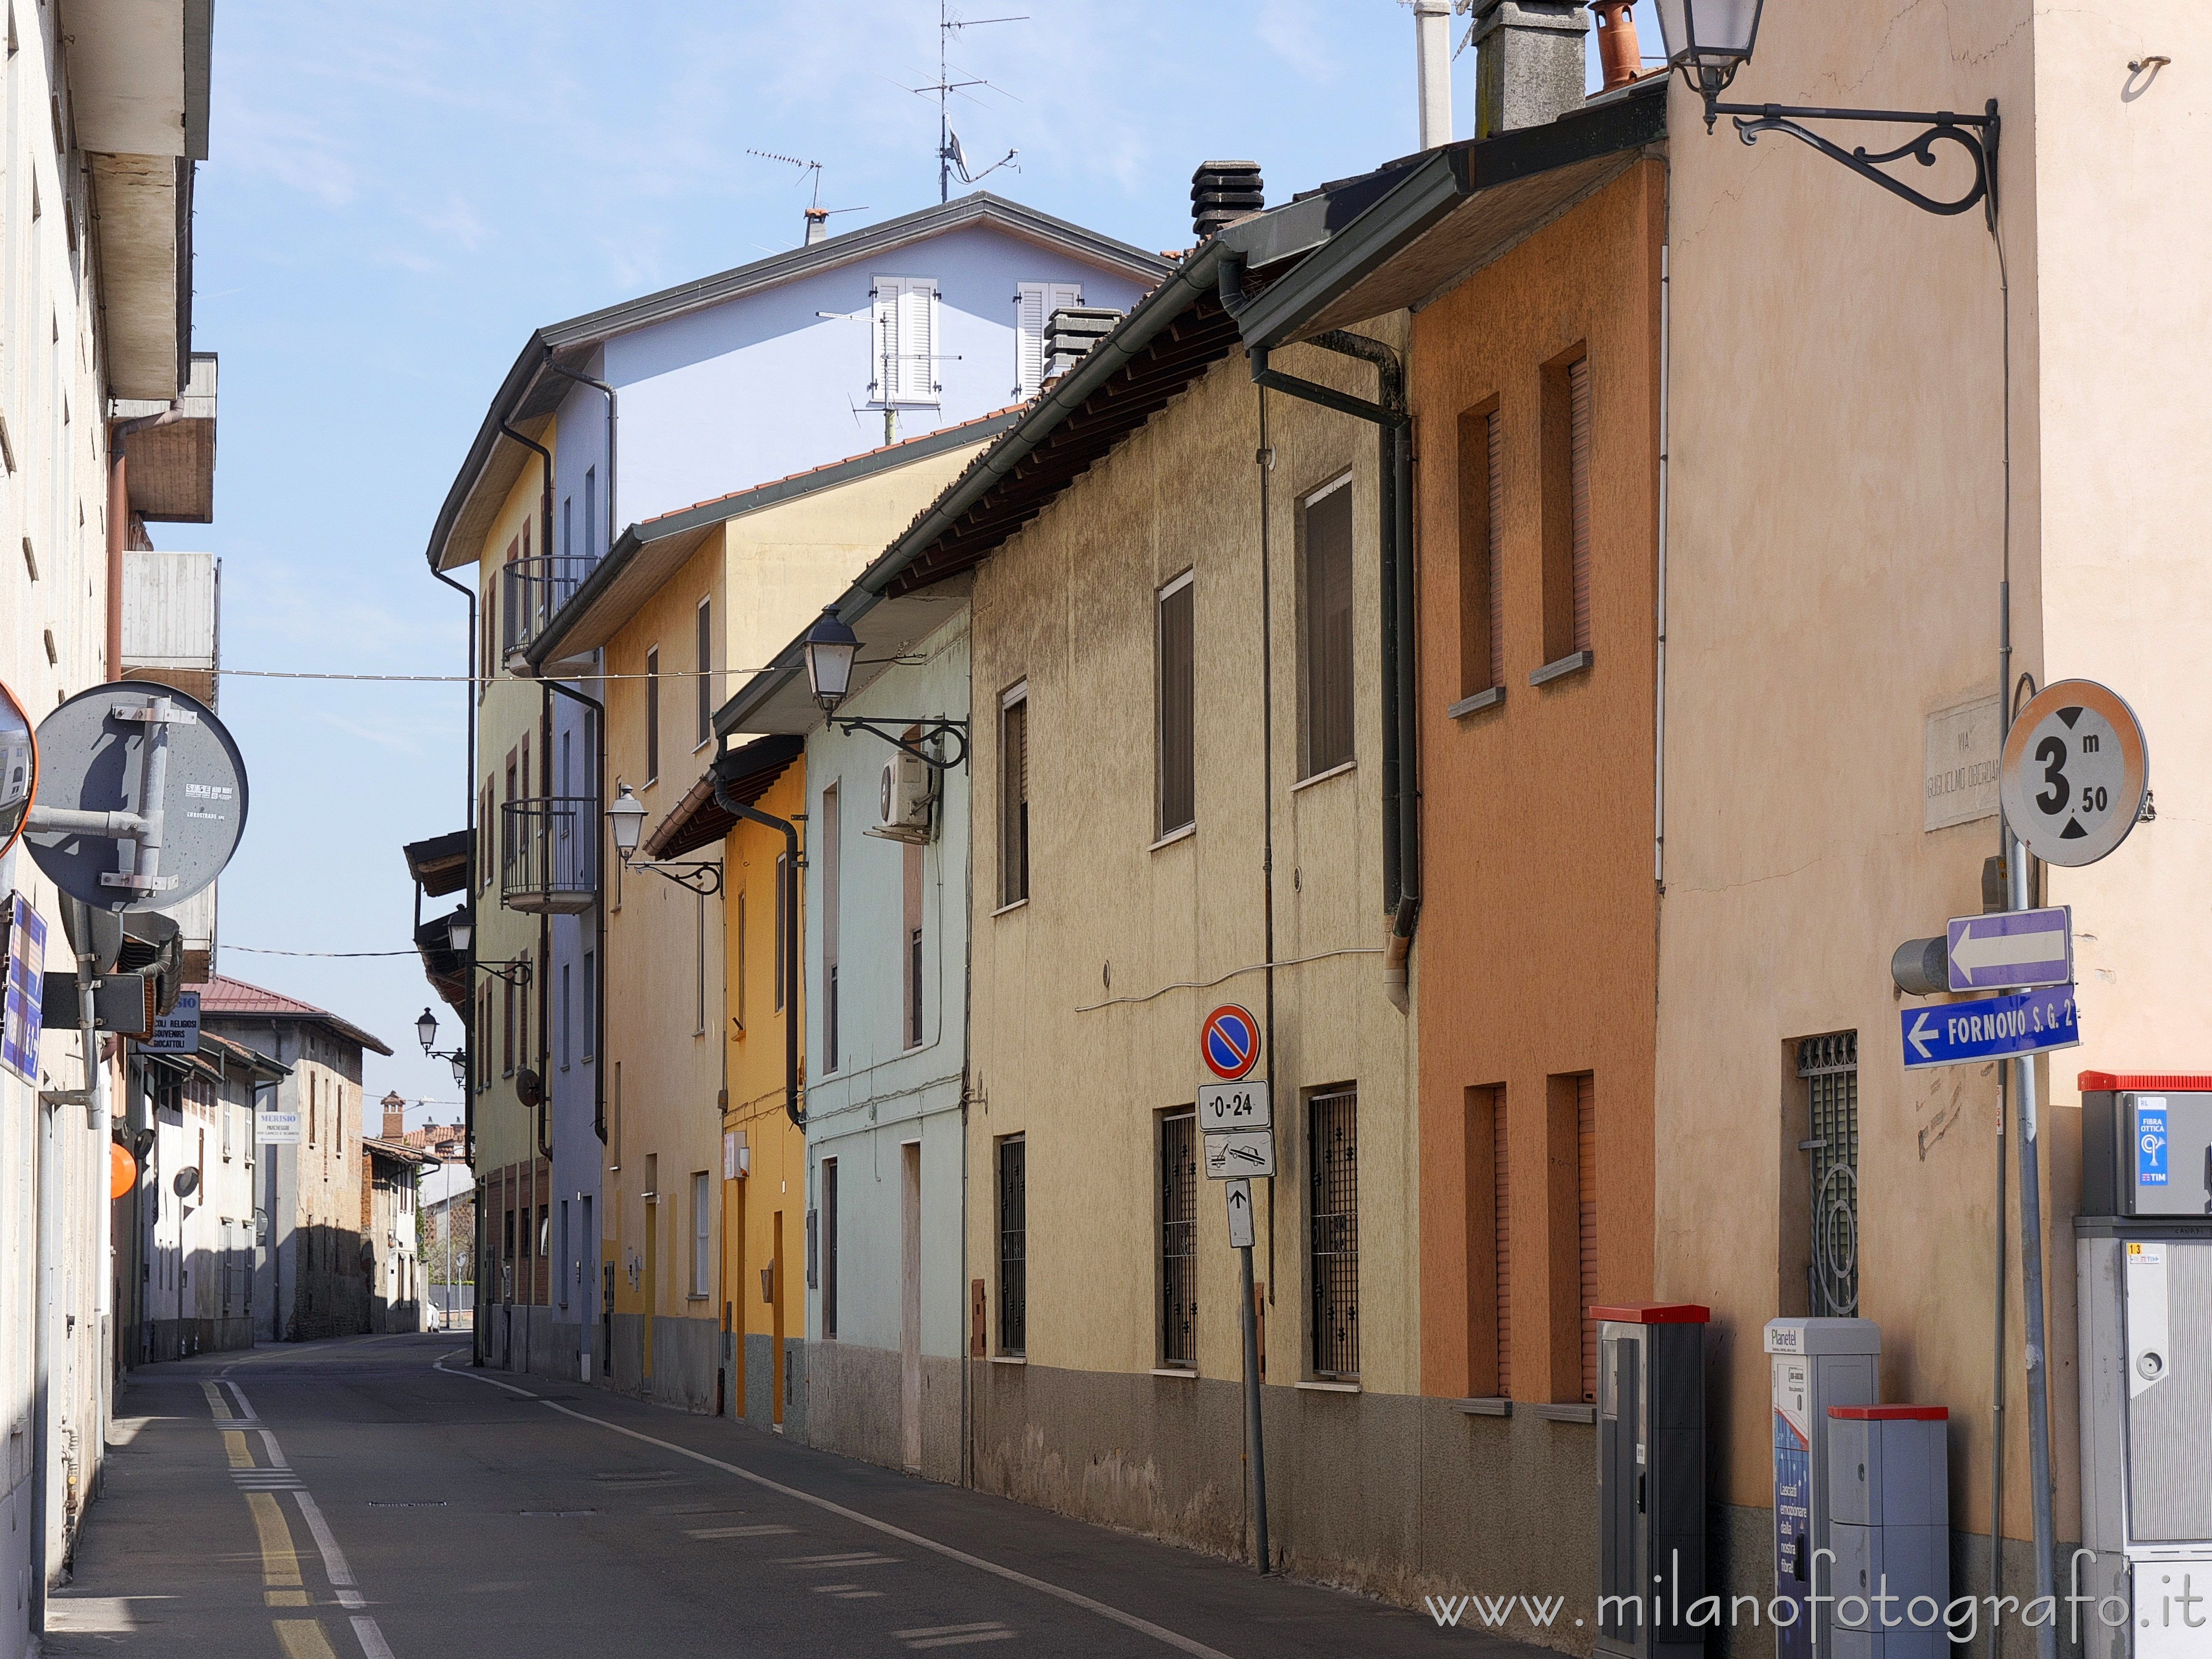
<point>930,730</point>
<point>1977,135</point>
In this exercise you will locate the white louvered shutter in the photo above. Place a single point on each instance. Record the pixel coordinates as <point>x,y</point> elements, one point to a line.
<point>1036,303</point>
<point>917,332</point>
<point>883,381</point>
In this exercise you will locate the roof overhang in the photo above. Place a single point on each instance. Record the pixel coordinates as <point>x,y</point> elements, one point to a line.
<point>170,470</point>
<point>1442,216</point>
<point>744,774</point>
<point>779,700</point>
<point>532,392</point>
<point>439,864</point>
<point>649,554</point>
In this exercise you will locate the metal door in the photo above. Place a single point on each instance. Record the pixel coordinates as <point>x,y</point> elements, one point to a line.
<point>2169,1418</point>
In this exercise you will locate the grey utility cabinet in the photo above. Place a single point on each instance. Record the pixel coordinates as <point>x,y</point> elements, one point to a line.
<point>1651,1477</point>
<point>1889,1523</point>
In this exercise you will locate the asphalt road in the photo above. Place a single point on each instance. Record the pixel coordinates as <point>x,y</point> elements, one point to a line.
<point>374,1498</point>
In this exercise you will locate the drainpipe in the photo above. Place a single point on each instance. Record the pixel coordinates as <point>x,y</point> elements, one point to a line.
<point>789,831</point>
<point>1401,729</point>
<point>118,523</point>
<point>602,388</point>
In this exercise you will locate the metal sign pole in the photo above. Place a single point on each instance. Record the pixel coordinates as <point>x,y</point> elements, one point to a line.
<point>2031,1274</point>
<point>1254,1451</point>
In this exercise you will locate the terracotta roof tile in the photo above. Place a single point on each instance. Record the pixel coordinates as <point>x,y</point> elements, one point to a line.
<point>222,994</point>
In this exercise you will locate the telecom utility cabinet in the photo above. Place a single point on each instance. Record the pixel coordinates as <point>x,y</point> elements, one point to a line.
<point>1651,1477</point>
<point>1818,1363</point>
<point>2144,1300</point>
<point>1889,1514</point>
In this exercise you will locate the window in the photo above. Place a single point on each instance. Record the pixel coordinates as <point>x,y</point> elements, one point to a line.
<point>1179,1239</point>
<point>829,892</point>
<point>564,1016</point>
<point>910,939</point>
<point>1013,1246</point>
<point>1034,303</point>
<point>699,967</point>
<point>706,693</point>
<point>1586,1225</point>
<point>568,526</point>
<point>1014,795</point>
<point>702,1236</point>
<point>1830,1067</point>
<point>740,1015</point>
<point>507,1031</point>
<point>590,513</point>
<point>1481,550</point>
<point>1566,462</point>
<point>1489,1246</point>
<point>830,1249</point>
<point>483,1044</point>
<point>1325,618</point>
<point>905,369</point>
<point>485,822</point>
<point>1178,712</point>
<point>590,1004</point>
<point>652,713</point>
<point>1332,1203</point>
<point>782,920</point>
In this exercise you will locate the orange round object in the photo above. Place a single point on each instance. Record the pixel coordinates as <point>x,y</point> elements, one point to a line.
<point>122,1170</point>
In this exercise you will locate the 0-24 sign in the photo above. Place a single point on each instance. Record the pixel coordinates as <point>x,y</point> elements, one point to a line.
<point>1225,1106</point>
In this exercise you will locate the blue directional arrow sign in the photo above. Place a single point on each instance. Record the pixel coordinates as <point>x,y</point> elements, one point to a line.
<point>1990,1028</point>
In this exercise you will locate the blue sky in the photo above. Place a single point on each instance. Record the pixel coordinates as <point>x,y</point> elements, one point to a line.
<point>397,194</point>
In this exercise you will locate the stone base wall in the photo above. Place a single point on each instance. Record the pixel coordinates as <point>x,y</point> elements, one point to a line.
<point>854,1406</point>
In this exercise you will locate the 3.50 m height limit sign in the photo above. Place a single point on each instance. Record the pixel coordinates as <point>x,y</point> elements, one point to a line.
<point>2075,773</point>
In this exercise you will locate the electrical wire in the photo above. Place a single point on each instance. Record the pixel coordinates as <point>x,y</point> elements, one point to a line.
<point>260,951</point>
<point>478,679</point>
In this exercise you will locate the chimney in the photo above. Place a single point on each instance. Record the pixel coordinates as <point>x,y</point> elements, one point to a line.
<point>1221,192</point>
<point>395,1115</point>
<point>1071,333</point>
<point>1432,43</point>
<point>818,225</point>
<point>1529,62</point>
<point>1618,53</point>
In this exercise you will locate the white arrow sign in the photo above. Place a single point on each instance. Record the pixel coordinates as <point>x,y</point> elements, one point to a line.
<point>2013,948</point>
<point>1240,1214</point>
<point>1921,1034</point>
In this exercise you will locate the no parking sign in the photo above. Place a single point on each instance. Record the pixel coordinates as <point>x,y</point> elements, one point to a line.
<point>1229,1042</point>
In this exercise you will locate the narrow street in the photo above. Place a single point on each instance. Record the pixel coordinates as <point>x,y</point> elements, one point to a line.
<point>359,1498</point>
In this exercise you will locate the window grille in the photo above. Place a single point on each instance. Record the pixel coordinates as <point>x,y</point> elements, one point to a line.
<point>1179,1239</point>
<point>1829,1066</point>
<point>1013,1246</point>
<point>1332,1164</point>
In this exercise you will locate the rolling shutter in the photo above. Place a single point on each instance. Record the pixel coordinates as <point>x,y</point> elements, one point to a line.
<point>1578,425</point>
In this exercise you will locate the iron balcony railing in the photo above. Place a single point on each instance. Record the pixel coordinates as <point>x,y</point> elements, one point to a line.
<point>530,594</point>
<point>548,854</point>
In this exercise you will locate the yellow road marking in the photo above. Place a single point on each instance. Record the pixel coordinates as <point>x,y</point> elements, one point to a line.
<point>298,1598</point>
<point>280,1564</point>
<point>222,1412</point>
<point>303,1638</point>
<point>234,1443</point>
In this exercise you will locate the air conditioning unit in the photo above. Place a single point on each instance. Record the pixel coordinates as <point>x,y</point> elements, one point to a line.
<point>905,797</point>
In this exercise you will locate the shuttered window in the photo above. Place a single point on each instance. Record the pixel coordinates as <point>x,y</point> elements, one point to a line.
<point>1014,796</point>
<point>1578,469</point>
<point>1034,303</point>
<point>1586,1225</point>
<point>1325,604</point>
<point>830,1249</point>
<point>706,659</point>
<point>653,714</point>
<point>830,885</point>
<point>1178,785</point>
<point>1013,1246</point>
<point>910,939</point>
<point>1481,549</point>
<point>1501,1186</point>
<point>905,370</point>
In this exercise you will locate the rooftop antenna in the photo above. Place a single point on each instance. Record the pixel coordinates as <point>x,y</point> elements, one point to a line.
<point>949,153</point>
<point>817,216</point>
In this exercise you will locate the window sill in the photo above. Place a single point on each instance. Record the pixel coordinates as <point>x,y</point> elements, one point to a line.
<point>696,1296</point>
<point>1487,1405</point>
<point>1493,698</point>
<point>1005,909</point>
<point>1567,1413</point>
<point>1572,663</point>
<point>1173,836</point>
<point>1328,1387</point>
<point>1336,771</point>
<point>1010,1359</point>
<point>1188,1372</point>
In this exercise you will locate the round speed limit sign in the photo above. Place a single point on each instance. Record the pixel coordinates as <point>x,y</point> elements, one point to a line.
<point>2074,774</point>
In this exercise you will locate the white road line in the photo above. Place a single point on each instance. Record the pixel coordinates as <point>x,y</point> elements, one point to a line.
<point>962,1641</point>
<point>1074,1598</point>
<point>335,1566</point>
<point>738,1532</point>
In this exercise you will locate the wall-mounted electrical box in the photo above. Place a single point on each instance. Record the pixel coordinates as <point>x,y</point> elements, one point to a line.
<point>1651,1477</point>
<point>2146,1143</point>
<point>1818,1363</point>
<point>1889,1515</point>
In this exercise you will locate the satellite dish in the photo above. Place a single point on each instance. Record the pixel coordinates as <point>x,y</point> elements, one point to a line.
<point>141,799</point>
<point>187,1182</point>
<point>19,767</point>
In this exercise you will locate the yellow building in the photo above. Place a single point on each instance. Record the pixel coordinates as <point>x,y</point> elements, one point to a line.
<point>681,603</point>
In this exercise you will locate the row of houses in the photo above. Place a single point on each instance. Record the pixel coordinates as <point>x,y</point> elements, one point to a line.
<point>1528,620</point>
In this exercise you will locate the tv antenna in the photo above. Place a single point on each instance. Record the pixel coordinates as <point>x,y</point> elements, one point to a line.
<point>816,214</point>
<point>950,156</point>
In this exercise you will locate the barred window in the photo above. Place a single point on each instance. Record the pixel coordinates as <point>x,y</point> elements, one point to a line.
<point>1013,1246</point>
<point>1179,1239</point>
<point>1333,1265</point>
<point>1829,1066</point>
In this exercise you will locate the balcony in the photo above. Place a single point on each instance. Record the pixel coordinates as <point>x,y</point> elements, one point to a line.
<point>530,594</point>
<point>548,854</point>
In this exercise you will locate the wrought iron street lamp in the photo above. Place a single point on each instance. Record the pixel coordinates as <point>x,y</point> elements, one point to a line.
<point>830,648</point>
<point>458,933</point>
<point>1709,40</point>
<point>626,822</point>
<point>426,1029</point>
